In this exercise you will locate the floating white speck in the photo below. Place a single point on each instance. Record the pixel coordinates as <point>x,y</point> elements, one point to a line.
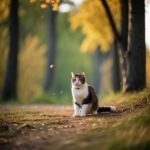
<point>51,66</point>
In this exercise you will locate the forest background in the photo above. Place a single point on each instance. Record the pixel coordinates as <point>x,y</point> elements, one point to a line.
<point>44,76</point>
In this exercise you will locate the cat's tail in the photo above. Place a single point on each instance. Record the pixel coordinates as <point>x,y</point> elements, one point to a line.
<point>106,109</point>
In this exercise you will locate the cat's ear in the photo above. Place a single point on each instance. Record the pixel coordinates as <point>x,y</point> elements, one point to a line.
<point>82,73</point>
<point>72,74</point>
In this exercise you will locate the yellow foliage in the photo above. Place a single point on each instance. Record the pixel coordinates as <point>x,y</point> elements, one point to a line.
<point>4,9</point>
<point>55,7</point>
<point>4,40</point>
<point>32,1</point>
<point>31,65</point>
<point>44,3</point>
<point>92,19</point>
<point>3,62</point>
<point>148,66</point>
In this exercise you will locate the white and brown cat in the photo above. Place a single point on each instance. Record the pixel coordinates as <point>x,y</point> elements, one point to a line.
<point>85,100</point>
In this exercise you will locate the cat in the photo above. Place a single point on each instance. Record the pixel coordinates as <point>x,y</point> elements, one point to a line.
<point>84,96</point>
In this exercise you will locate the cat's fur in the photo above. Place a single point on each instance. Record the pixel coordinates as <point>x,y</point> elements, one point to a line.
<point>84,97</point>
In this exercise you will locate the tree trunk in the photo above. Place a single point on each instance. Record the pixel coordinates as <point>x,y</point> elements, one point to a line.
<point>97,71</point>
<point>124,38</point>
<point>116,68</point>
<point>10,82</point>
<point>136,61</point>
<point>51,53</point>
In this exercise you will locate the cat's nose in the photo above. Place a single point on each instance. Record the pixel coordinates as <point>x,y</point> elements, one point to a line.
<point>78,83</point>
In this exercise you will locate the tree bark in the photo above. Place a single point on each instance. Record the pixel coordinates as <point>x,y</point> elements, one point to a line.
<point>97,71</point>
<point>51,53</point>
<point>116,68</point>
<point>124,36</point>
<point>10,82</point>
<point>136,58</point>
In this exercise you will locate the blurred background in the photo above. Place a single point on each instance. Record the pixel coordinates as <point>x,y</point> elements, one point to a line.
<point>54,39</point>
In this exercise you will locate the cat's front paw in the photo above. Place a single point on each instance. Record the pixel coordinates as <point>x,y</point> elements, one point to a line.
<point>83,115</point>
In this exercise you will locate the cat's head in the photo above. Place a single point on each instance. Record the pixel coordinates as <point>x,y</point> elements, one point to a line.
<point>78,79</point>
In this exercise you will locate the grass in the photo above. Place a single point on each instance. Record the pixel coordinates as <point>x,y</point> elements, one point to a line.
<point>52,99</point>
<point>46,98</point>
<point>127,100</point>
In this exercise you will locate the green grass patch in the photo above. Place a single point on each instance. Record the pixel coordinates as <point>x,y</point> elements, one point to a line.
<point>43,98</point>
<point>140,99</point>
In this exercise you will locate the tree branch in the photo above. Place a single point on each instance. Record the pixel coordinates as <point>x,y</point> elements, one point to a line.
<point>111,21</point>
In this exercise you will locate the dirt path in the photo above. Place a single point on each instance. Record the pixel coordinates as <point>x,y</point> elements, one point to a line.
<point>40,126</point>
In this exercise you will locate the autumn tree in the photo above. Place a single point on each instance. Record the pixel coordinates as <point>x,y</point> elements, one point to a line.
<point>124,38</point>
<point>136,58</point>
<point>51,52</point>
<point>116,67</point>
<point>133,72</point>
<point>52,6</point>
<point>10,83</point>
<point>120,37</point>
<point>97,29</point>
<point>97,69</point>
<point>133,76</point>
<point>133,59</point>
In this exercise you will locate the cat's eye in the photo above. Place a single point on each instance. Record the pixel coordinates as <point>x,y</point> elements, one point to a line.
<point>82,79</point>
<point>74,79</point>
